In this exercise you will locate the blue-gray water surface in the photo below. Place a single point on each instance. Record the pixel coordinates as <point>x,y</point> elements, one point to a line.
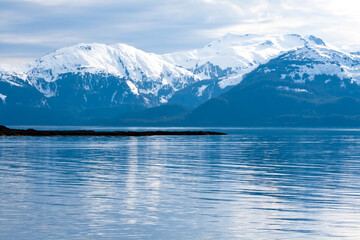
<point>251,184</point>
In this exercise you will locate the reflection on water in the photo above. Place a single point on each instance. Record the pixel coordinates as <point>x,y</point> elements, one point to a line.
<point>251,184</point>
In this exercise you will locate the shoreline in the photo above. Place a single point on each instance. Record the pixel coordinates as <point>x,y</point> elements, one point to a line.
<point>4,131</point>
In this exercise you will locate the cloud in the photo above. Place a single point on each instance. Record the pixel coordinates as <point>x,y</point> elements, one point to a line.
<point>167,25</point>
<point>63,2</point>
<point>332,20</point>
<point>47,40</point>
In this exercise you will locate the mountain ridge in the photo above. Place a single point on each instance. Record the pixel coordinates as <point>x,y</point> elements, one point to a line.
<point>120,78</point>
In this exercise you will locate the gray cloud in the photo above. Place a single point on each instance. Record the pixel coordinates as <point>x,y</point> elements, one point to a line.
<point>32,28</point>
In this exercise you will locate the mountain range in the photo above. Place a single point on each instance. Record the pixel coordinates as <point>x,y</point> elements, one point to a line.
<point>237,80</point>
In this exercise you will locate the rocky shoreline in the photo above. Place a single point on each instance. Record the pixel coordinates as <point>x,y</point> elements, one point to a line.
<point>4,131</point>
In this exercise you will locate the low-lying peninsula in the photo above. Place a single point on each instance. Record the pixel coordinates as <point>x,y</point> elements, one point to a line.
<point>4,131</point>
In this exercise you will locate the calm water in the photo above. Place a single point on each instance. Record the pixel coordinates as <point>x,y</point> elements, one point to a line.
<point>252,184</point>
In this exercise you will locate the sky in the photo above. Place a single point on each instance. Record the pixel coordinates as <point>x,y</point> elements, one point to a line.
<point>29,29</point>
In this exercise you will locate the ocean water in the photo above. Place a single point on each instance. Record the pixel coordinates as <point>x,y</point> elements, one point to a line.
<point>250,184</point>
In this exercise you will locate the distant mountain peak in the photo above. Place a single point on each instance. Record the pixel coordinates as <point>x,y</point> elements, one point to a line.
<point>256,38</point>
<point>142,72</point>
<point>238,55</point>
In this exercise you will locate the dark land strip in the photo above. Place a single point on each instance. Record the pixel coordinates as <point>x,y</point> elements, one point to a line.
<point>4,131</point>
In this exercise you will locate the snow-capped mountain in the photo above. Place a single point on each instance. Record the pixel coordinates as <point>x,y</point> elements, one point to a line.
<point>233,56</point>
<point>228,59</point>
<point>99,76</point>
<point>144,75</point>
<point>316,60</point>
<point>312,85</point>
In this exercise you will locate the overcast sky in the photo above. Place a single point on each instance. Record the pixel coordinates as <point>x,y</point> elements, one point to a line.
<point>31,28</point>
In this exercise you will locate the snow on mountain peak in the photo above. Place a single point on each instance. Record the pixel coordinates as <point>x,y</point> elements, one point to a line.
<point>236,54</point>
<point>226,60</point>
<point>239,54</point>
<point>321,60</point>
<point>120,60</point>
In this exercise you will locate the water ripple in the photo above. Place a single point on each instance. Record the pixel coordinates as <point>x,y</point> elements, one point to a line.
<point>251,184</point>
